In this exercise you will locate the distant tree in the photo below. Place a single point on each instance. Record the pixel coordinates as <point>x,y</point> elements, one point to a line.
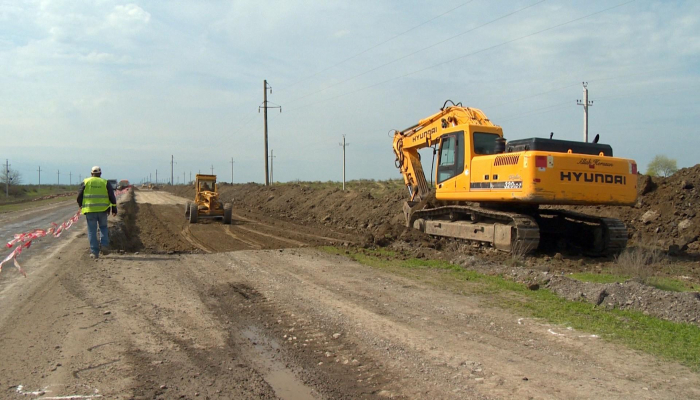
<point>13,175</point>
<point>662,166</point>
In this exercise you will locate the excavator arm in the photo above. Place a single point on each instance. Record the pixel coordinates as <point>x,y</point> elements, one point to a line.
<point>426,133</point>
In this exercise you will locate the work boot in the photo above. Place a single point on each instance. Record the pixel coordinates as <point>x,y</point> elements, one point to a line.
<point>104,252</point>
<point>93,255</point>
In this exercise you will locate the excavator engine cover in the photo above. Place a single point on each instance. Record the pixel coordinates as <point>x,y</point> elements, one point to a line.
<point>558,146</point>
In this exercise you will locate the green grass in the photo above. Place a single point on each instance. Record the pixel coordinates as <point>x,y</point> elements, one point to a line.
<point>669,340</point>
<point>23,193</point>
<point>669,284</point>
<point>674,285</point>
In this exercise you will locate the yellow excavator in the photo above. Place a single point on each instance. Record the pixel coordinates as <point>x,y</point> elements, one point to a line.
<point>206,201</point>
<point>500,193</point>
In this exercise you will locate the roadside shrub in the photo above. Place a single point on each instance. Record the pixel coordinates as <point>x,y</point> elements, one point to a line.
<point>639,261</point>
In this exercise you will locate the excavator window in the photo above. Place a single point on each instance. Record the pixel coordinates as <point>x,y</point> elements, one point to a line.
<point>485,143</point>
<point>451,161</point>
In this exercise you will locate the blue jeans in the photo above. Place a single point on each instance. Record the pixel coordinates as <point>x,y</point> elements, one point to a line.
<point>93,220</point>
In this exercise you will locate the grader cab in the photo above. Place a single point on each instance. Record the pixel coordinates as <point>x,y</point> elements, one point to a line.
<point>206,201</point>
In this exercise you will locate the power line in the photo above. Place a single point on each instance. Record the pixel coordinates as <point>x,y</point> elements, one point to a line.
<point>568,103</point>
<point>537,110</point>
<point>531,96</point>
<point>375,46</point>
<point>466,55</point>
<point>576,84</point>
<point>418,51</point>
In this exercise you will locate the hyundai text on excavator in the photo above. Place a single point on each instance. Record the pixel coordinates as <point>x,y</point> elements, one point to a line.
<point>490,191</point>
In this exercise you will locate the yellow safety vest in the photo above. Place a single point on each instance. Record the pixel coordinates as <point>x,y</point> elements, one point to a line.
<point>95,196</point>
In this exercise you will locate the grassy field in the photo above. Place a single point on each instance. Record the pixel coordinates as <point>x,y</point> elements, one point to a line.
<point>33,204</point>
<point>29,192</point>
<point>24,196</point>
<point>669,340</point>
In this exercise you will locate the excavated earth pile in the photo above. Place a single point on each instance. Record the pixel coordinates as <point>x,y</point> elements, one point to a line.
<point>665,215</point>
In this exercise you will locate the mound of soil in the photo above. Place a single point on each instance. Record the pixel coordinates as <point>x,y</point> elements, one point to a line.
<point>372,213</point>
<point>124,234</point>
<point>665,215</point>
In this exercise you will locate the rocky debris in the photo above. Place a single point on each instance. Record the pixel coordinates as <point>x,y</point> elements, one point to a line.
<point>649,216</point>
<point>674,306</point>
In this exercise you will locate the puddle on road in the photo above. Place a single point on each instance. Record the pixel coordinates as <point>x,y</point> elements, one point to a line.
<point>283,381</point>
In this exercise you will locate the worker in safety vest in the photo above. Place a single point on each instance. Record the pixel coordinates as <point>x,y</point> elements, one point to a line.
<point>96,198</point>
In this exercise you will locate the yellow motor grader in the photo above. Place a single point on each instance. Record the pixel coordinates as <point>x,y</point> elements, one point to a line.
<point>206,201</point>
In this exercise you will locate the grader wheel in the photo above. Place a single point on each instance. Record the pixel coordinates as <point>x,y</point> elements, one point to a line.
<point>194,213</point>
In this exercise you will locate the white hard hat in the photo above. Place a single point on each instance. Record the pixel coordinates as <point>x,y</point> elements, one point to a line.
<point>96,170</point>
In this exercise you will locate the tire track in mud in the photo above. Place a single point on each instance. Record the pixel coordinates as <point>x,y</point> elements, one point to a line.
<point>309,235</point>
<point>252,243</point>
<point>187,234</point>
<point>162,228</point>
<point>283,239</point>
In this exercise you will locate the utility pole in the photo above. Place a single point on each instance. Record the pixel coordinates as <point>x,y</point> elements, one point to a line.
<point>7,178</point>
<point>70,178</point>
<point>344,145</point>
<point>80,178</point>
<point>39,176</point>
<point>232,162</point>
<point>172,162</point>
<point>272,156</point>
<point>585,103</point>
<point>190,176</point>
<point>212,169</point>
<point>58,177</point>
<point>265,107</point>
<point>183,177</point>
<point>156,177</point>
<point>150,178</point>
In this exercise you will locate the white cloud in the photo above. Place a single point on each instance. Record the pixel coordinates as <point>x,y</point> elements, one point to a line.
<point>128,15</point>
<point>104,58</point>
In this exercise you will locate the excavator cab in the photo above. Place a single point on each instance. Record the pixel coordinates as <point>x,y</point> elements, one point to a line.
<point>206,201</point>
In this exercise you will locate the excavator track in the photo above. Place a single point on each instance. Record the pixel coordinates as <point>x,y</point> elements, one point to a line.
<point>522,233</point>
<point>588,234</point>
<point>508,231</point>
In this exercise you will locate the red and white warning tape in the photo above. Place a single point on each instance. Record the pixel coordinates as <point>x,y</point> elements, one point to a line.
<point>25,240</point>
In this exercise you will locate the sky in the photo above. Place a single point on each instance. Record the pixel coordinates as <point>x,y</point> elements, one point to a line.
<point>127,85</point>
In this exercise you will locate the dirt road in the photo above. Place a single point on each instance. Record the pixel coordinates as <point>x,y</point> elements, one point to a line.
<point>252,310</point>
